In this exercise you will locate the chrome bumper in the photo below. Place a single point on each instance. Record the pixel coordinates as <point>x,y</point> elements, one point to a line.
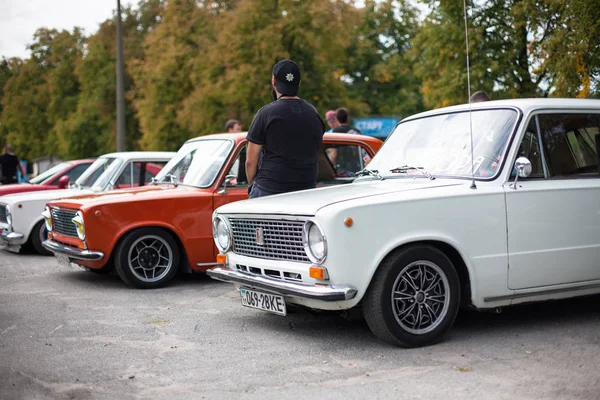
<point>10,237</point>
<point>323,293</point>
<point>71,252</point>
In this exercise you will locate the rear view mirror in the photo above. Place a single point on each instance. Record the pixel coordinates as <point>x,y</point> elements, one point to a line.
<point>523,168</point>
<point>63,182</point>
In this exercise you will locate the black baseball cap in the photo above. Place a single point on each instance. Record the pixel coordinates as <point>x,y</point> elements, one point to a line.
<point>287,77</point>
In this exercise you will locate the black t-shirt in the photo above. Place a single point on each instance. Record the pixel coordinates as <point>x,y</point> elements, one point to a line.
<point>345,129</point>
<point>8,167</point>
<point>291,132</point>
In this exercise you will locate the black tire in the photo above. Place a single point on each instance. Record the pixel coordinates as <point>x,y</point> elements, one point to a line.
<point>159,246</point>
<point>37,236</point>
<point>389,319</point>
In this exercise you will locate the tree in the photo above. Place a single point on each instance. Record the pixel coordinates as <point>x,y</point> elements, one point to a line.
<point>163,77</point>
<point>42,92</point>
<point>378,67</point>
<point>90,130</point>
<point>232,77</point>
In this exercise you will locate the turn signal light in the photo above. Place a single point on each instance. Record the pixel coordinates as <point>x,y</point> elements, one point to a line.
<point>318,273</point>
<point>221,259</point>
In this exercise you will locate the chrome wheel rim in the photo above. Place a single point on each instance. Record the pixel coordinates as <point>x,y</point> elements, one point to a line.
<point>420,297</point>
<point>43,233</point>
<point>150,258</point>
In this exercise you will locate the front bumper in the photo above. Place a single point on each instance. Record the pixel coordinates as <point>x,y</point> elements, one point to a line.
<point>10,238</point>
<point>11,241</point>
<point>72,252</point>
<point>287,289</point>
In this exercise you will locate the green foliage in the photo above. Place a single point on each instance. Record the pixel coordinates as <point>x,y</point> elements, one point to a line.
<point>192,64</point>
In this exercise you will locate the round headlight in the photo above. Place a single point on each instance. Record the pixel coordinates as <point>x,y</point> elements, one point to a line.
<point>315,243</point>
<point>47,218</point>
<point>79,225</point>
<point>8,215</point>
<point>221,234</point>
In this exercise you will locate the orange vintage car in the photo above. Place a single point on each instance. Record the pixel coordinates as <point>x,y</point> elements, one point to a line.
<point>148,234</point>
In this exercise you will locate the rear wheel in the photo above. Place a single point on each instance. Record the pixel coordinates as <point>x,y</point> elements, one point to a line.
<point>147,258</point>
<point>38,234</point>
<point>413,298</point>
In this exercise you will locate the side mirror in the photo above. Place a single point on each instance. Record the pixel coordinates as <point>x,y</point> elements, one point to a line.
<point>227,182</point>
<point>63,182</point>
<point>523,167</point>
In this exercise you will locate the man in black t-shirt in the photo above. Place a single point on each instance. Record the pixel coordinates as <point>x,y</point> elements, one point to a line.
<point>8,166</point>
<point>284,138</point>
<point>341,114</point>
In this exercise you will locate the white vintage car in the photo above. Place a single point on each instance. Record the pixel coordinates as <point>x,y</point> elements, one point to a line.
<point>426,230</point>
<point>21,219</point>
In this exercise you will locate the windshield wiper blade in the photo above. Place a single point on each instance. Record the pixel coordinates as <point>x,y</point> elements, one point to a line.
<point>369,172</point>
<point>405,168</point>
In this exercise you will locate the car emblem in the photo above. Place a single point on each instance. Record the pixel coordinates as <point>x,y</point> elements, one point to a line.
<point>260,236</point>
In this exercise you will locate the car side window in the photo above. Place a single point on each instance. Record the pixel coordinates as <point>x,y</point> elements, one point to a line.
<point>237,172</point>
<point>569,143</point>
<point>76,172</point>
<point>127,177</point>
<point>530,148</point>
<point>151,170</point>
<point>340,162</point>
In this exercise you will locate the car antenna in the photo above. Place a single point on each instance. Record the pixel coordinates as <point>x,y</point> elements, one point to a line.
<point>473,186</point>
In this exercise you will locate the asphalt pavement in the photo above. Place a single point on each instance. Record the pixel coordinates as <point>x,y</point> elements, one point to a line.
<point>66,333</point>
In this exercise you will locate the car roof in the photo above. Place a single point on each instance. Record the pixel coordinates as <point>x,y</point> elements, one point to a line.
<point>149,155</point>
<point>525,105</point>
<point>238,137</point>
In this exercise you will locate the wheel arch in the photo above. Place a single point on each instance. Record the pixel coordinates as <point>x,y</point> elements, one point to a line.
<point>184,264</point>
<point>455,256</point>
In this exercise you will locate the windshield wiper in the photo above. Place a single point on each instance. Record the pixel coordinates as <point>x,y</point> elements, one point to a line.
<point>405,168</point>
<point>369,172</point>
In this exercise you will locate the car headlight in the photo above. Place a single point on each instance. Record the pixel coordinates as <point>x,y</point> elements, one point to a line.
<point>8,215</point>
<point>315,244</point>
<point>221,234</point>
<point>47,218</point>
<point>79,225</point>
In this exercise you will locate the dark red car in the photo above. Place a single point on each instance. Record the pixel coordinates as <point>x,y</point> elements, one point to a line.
<point>57,177</point>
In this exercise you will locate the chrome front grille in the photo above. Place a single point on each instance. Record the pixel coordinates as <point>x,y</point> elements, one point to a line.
<point>61,222</point>
<point>280,239</point>
<point>3,214</point>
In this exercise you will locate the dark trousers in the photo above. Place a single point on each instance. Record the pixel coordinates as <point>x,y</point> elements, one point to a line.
<point>258,191</point>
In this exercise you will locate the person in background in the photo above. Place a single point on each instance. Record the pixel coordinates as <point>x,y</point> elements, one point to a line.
<point>343,117</point>
<point>479,96</point>
<point>284,138</point>
<point>9,164</point>
<point>331,120</point>
<point>233,126</point>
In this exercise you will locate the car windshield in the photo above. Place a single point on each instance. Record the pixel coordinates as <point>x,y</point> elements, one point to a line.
<point>108,172</point>
<point>95,171</point>
<point>197,163</point>
<point>441,145</point>
<point>49,174</point>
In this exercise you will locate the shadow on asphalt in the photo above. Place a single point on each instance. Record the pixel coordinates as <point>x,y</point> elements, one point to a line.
<point>470,325</point>
<point>109,280</point>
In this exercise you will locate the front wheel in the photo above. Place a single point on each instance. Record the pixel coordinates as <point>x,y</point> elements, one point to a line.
<point>413,297</point>
<point>147,258</point>
<point>38,235</point>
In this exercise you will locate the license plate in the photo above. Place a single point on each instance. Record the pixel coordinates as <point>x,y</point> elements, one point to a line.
<point>263,301</point>
<point>63,260</point>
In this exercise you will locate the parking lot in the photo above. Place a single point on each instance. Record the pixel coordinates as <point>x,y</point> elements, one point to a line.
<point>66,333</point>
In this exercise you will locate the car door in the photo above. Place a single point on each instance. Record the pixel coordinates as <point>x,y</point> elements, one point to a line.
<point>234,184</point>
<point>553,216</point>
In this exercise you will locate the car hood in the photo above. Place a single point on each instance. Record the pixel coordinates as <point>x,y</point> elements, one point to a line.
<point>45,195</point>
<point>308,202</point>
<point>146,193</point>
